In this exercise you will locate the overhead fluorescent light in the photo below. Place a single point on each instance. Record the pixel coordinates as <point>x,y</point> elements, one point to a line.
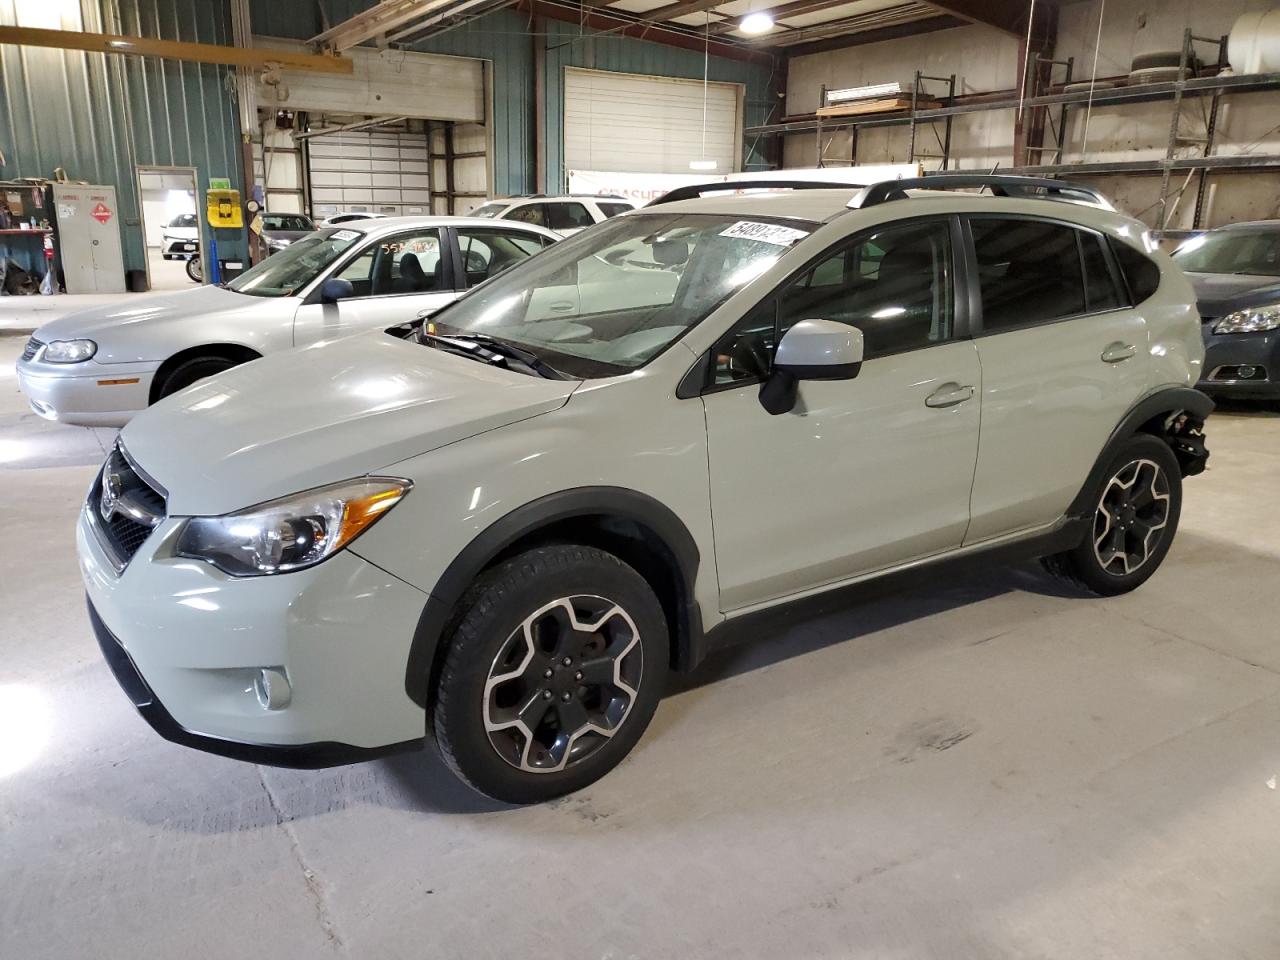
<point>702,165</point>
<point>872,91</point>
<point>756,23</point>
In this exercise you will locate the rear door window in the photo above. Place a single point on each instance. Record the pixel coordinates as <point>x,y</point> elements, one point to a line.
<point>568,216</point>
<point>1029,272</point>
<point>612,209</point>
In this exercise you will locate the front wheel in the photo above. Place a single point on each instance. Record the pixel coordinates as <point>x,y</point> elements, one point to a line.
<point>1136,511</point>
<point>194,270</point>
<point>554,668</point>
<point>189,371</point>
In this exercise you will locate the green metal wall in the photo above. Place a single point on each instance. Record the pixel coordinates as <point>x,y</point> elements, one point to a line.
<point>99,116</point>
<point>505,39</point>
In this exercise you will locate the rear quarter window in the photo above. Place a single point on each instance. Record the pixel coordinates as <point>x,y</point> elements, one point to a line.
<point>1141,273</point>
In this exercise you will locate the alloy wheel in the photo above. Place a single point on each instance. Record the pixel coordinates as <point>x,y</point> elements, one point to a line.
<point>1132,513</point>
<point>563,683</point>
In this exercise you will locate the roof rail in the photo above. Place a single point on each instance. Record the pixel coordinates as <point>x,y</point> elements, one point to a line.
<point>692,190</point>
<point>1002,185</point>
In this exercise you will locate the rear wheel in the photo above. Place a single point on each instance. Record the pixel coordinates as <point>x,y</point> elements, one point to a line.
<point>553,670</point>
<point>194,270</point>
<point>1136,510</point>
<point>189,371</point>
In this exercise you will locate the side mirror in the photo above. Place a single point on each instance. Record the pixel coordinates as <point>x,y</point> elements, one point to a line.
<point>335,289</point>
<point>811,350</point>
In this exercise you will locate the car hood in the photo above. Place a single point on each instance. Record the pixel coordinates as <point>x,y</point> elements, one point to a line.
<point>1223,293</point>
<point>303,418</point>
<point>125,330</point>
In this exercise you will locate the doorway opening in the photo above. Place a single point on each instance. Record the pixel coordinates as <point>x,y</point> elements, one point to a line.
<point>171,227</point>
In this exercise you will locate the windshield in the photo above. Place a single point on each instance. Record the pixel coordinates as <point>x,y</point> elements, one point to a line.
<point>615,296</point>
<point>489,210</point>
<point>1253,252</point>
<point>183,220</point>
<point>285,273</point>
<point>286,221</point>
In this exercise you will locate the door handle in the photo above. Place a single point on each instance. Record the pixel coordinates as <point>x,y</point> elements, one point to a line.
<point>948,395</point>
<point>1116,352</point>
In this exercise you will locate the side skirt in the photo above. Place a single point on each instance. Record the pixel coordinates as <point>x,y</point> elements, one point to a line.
<point>781,615</point>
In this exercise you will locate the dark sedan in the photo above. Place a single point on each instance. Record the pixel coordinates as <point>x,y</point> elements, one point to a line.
<point>1236,274</point>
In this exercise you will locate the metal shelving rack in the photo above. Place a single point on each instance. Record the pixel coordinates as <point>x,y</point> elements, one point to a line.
<point>1175,91</point>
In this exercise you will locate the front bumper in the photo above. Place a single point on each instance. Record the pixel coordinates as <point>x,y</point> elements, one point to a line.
<point>87,394</point>
<point>188,644</point>
<point>180,249</point>
<point>1225,353</point>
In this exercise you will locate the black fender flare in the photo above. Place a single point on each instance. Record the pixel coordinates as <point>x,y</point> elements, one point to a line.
<point>1165,402</point>
<point>618,503</point>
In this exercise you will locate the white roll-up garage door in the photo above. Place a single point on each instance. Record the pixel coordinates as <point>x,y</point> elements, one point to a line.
<point>370,172</point>
<point>642,124</point>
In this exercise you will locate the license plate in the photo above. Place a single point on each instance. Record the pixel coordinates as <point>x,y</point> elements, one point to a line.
<point>188,246</point>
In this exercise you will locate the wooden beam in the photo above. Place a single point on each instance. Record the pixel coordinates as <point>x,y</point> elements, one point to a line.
<point>253,57</point>
<point>1009,16</point>
<point>896,32</point>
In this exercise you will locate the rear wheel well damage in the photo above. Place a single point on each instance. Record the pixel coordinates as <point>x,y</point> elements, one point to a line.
<point>1174,414</point>
<point>235,352</point>
<point>640,532</point>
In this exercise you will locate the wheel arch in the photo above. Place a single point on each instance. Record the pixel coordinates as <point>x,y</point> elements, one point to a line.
<point>638,529</point>
<point>237,352</point>
<point>1175,415</point>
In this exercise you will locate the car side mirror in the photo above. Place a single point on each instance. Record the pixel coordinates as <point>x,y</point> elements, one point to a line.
<point>335,289</point>
<point>811,350</point>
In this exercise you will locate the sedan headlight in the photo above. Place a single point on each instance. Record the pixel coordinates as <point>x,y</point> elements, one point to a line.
<point>69,351</point>
<point>1250,320</point>
<point>278,243</point>
<point>293,532</point>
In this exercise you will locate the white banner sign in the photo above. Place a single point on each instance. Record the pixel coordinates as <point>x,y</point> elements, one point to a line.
<point>643,187</point>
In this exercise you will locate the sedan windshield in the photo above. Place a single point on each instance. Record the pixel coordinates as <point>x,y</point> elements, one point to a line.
<point>1251,252</point>
<point>614,297</point>
<point>285,273</point>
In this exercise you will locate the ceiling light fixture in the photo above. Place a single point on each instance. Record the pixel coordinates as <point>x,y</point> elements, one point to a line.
<point>754,23</point>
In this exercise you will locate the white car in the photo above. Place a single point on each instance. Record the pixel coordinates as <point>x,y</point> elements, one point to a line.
<point>503,528</point>
<point>180,237</point>
<point>98,367</point>
<point>565,215</point>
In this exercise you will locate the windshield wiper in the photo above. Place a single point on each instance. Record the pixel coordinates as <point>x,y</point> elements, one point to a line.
<point>491,350</point>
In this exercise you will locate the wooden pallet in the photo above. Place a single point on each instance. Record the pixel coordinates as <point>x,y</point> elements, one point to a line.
<point>883,105</point>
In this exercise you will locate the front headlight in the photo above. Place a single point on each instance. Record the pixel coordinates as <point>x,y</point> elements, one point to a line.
<point>69,351</point>
<point>278,244</point>
<point>1250,320</point>
<point>293,532</point>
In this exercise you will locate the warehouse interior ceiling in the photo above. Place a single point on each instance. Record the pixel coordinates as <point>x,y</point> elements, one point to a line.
<point>798,26</point>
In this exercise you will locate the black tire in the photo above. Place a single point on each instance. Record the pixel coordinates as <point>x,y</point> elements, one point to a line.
<point>478,713</point>
<point>194,270</point>
<point>1128,536</point>
<point>189,371</point>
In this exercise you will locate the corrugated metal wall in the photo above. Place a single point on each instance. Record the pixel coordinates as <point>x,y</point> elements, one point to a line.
<point>504,38</point>
<point>100,116</point>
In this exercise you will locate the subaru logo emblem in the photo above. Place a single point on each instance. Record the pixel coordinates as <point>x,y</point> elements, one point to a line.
<point>112,488</point>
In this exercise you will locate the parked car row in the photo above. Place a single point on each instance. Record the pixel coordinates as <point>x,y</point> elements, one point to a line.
<point>576,446</point>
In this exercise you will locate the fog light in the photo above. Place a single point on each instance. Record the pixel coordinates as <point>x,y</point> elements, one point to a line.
<point>272,688</point>
<point>1246,372</point>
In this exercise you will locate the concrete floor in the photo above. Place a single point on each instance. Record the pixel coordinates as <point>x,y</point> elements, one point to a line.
<point>975,765</point>
<point>167,274</point>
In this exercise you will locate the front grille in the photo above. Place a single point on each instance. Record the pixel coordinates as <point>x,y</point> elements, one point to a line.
<point>32,348</point>
<point>124,507</point>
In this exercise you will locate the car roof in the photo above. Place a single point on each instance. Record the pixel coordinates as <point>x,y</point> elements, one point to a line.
<point>823,204</point>
<point>383,225</point>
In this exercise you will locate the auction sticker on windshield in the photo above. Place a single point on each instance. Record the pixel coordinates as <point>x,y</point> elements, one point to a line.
<point>342,236</point>
<point>764,233</point>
